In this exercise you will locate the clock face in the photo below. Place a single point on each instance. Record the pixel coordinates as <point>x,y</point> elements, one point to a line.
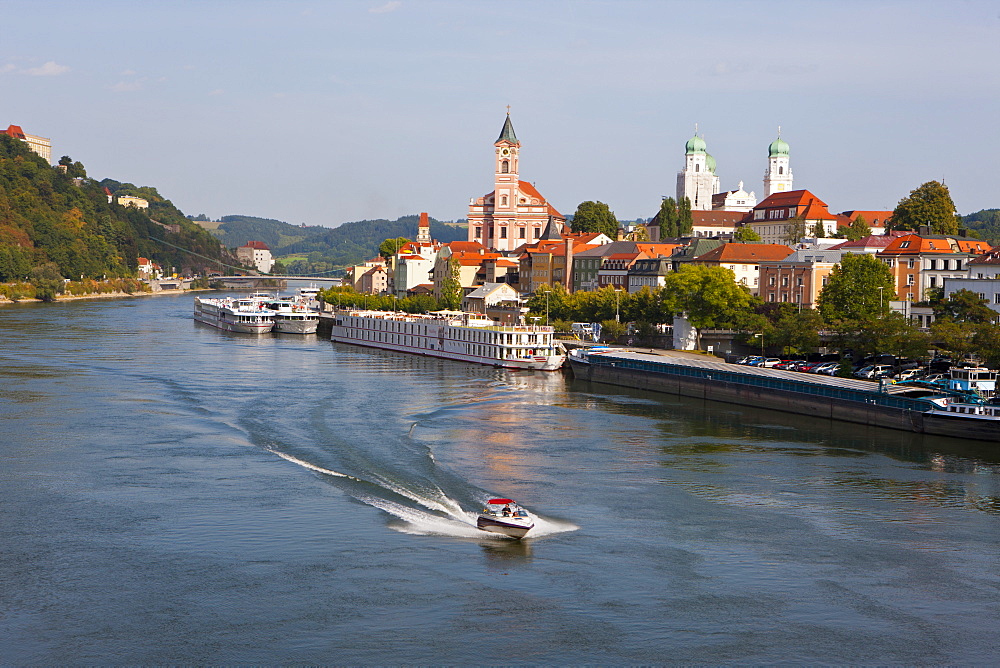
<point>506,151</point>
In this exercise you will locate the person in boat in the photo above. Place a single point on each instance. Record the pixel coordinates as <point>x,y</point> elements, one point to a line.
<point>506,512</point>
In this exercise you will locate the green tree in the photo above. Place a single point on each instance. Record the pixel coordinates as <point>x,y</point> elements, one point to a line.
<point>612,330</point>
<point>685,220</point>
<point>668,219</point>
<point>930,204</point>
<point>745,234</point>
<point>958,338</point>
<point>858,229</point>
<point>852,291</point>
<point>390,247</point>
<point>706,296</point>
<point>451,286</point>
<point>47,281</point>
<point>987,344</point>
<point>595,217</point>
<point>964,306</point>
<point>796,230</point>
<point>797,331</point>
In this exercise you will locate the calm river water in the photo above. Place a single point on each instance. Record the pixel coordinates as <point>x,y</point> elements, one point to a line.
<point>173,494</point>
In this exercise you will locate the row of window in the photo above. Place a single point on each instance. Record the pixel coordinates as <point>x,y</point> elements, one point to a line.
<point>521,233</point>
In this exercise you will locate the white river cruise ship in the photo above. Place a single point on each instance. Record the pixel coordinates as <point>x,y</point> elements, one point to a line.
<point>469,337</point>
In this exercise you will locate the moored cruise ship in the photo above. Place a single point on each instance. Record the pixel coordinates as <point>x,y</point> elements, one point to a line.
<point>469,337</point>
<point>234,315</point>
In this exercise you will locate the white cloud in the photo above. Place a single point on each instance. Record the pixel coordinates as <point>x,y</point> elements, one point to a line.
<point>390,6</point>
<point>49,69</point>
<point>7,68</point>
<point>127,86</point>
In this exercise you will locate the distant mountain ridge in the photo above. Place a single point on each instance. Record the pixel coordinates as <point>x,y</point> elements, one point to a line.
<point>335,247</point>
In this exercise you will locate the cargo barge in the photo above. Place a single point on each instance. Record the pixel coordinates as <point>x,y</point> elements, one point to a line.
<point>912,409</point>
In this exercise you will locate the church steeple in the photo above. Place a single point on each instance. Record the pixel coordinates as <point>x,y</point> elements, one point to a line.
<point>778,177</point>
<point>507,133</point>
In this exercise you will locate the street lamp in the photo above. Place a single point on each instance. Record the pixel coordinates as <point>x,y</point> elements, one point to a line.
<point>546,308</point>
<point>880,302</point>
<point>616,306</point>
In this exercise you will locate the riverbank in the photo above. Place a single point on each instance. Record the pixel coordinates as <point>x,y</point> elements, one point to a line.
<point>103,295</point>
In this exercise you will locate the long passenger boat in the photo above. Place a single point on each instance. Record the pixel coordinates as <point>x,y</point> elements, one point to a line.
<point>468,337</point>
<point>246,315</point>
<point>945,412</point>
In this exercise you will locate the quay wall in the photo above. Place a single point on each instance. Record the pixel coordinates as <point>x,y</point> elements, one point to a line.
<point>758,397</point>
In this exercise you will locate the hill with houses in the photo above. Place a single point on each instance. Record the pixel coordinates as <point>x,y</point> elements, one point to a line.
<point>57,215</point>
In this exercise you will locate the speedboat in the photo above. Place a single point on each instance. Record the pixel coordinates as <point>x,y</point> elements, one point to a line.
<point>505,517</point>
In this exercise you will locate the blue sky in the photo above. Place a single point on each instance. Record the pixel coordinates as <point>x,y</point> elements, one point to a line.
<point>328,112</point>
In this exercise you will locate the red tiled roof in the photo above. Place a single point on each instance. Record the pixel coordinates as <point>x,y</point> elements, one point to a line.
<point>466,247</point>
<point>259,245</point>
<point>529,190</point>
<point>734,252</point>
<point>913,244</point>
<point>789,198</point>
<point>15,131</point>
<point>871,241</point>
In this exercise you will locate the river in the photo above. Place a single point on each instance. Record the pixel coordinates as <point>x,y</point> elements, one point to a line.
<point>170,493</point>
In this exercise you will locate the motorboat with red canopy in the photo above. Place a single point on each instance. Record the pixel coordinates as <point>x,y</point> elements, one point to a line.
<point>505,517</point>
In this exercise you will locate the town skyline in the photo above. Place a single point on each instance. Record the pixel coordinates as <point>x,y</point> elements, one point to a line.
<point>321,114</point>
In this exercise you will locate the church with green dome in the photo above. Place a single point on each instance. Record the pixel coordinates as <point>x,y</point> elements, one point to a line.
<point>699,183</point>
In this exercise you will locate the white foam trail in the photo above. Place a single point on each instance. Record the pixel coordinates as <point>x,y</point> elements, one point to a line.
<point>457,522</point>
<point>311,467</point>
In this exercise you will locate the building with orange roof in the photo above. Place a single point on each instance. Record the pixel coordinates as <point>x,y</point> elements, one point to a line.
<point>40,145</point>
<point>982,279</point>
<point>744,260</point>
<point>514,213</point>
<point>920,261</point>
<point>773,218</point>
<point>872,244</point>
<point>468,257</point>
<point>355,276</point>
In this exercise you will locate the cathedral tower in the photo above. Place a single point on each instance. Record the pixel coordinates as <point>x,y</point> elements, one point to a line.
<point>778,177</point>
<point>697,181</point>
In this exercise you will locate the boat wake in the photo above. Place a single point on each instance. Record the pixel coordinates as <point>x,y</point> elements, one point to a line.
<point>431,513</point>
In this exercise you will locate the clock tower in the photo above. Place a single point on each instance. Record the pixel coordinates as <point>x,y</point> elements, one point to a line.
<point>515,213</point>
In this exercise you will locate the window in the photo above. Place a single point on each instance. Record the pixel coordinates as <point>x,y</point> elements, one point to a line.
<point>933,281</point>
<point>521,233</point>
<point>697,168</point>
<point>784,281</point>
<point>503,200</point>
<point>982,295</point>
<point>770,281</point>
<point>996,298</point>
<point>505,167</point>
<point>800,281</point>
<point>503,232</point>
<point>755,282</point>
<point>910,264</point>
<point>770,296</point>
<point>825,280</point>
<point>909,280</point>
<point>758,215</point>
<point>904,244</point>
<point>781,169</point>
<point>792,212</point>
<point>933,265</point>
<point>479,233</point>
<point>538,233</point>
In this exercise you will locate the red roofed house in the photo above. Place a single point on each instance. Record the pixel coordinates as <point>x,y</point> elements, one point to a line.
<point>40,145</point>
<point>376,281</point>
<point>469,256</point>
<point>772,219</point>
<point>920,261</point>
<point>256,253</point>
<point>744,260</point>
<point>515,213</point>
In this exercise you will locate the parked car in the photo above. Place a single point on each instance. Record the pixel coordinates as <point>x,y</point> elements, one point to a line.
<point>770,362</point>
<point>874,372</point>
<point>827,368</point>
<point>905,375</point>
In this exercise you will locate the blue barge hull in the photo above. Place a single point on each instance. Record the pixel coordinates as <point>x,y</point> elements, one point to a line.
<point>850,400</point>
